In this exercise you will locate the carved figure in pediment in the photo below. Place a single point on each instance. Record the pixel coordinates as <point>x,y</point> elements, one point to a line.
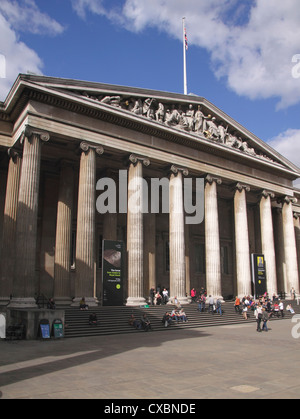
<point>232,141</point>
<point>172,117</point>
<point>111,100</point>
<point>160,113</point>
<point>212,130</point>
<point>189,119</point>
<point>137,108</point>
<point>200,120</point>
<point>148,110</point>
<point>222,131</point>
<point>181,118</point>
<point>245,147</point>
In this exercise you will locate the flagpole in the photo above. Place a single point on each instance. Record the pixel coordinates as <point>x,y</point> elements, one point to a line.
<point>184,57</point>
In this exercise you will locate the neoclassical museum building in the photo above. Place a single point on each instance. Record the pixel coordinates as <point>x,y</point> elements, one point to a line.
<point>190,193</point>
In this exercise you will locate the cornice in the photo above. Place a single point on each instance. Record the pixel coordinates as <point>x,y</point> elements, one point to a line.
<point>86,98</point>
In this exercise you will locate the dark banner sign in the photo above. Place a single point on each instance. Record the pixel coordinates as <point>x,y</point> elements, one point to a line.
<point>259,274</point>
<point>112,272</point>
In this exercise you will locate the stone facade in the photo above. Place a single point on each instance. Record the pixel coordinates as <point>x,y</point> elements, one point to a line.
<point>59,137</point>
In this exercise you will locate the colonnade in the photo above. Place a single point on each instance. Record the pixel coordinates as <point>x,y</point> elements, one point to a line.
<point>18,267</point>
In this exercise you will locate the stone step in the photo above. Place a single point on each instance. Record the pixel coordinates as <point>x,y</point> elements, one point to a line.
<point>114,320</point>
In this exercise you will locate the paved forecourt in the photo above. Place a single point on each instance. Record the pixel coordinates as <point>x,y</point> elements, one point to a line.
<point>231,361</point>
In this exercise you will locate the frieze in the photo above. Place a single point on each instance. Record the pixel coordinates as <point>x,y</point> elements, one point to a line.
<point>191,118</point>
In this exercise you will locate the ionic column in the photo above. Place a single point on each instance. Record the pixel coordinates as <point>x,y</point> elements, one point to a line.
<point>290,251</point>
<point>297,235</point>
<point>267,241</point>
<point>135,231</point>
<point>9,226</point>
<point>212,238</point>
<point>176,235</point>
<point>24,285</point>
<point>243,270</point>
<point>85,236</point>
<point>63,242</point>
<point>279,248</point>
<point>149,252</point>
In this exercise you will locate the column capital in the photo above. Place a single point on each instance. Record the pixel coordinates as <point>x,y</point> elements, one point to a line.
<point>85,147</point>
<point>287,200</point>
<point>296,215</point>
<point>133,158</point>
<point>30,131</point>
<point>265,194</point>
<point>13,154</point>
<point>240,186</point>
<point>176,169</point>
<point>210,179</point>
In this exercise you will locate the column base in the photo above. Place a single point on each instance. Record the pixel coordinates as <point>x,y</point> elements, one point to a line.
<point>136,301</point>
<point>181,300</point>
<point>4,301</point>
<point>23,303</point>
<point>63,301</point>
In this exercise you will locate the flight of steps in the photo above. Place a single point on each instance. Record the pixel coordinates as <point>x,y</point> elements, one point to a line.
<point>114,320</point>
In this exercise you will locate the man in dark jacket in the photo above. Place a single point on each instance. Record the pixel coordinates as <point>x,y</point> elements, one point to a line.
<point>146,325</point>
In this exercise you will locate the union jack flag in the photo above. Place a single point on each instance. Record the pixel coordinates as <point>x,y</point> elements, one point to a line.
<point>185,39</point>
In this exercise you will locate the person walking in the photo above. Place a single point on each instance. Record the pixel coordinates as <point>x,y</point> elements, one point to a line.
<point>211,304</point>
<point>193,295</point>
<point>265,318</point>
<point>258,316</point>
<point>245,310</point>
<point>219,306</point>
<point>237,304</point>
<point>281,309</point>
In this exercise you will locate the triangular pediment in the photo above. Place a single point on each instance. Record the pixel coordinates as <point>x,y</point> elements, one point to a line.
<point>190,117</point>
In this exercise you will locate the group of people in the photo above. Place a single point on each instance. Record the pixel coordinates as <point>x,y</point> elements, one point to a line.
<point>174,316</point>
<point>263,308</point>
<point>273,307</point>
<point>143,323</point>
<point>214,303</point>
<point>158,297</point>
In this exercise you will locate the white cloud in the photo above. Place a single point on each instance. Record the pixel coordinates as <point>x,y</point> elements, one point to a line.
<point>93,6</point>
<point>16,56</point>
<point>251,43</point>
<point>288,145</point>
<point>25,16</point>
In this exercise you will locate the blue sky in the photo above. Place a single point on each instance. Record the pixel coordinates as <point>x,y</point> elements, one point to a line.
<point>239,57</point>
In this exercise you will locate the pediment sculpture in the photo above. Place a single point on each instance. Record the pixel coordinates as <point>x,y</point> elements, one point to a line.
<point>189,118</point>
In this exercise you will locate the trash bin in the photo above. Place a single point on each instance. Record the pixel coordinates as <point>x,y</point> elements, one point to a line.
<point>44,329</point>
<point>57,329</point>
